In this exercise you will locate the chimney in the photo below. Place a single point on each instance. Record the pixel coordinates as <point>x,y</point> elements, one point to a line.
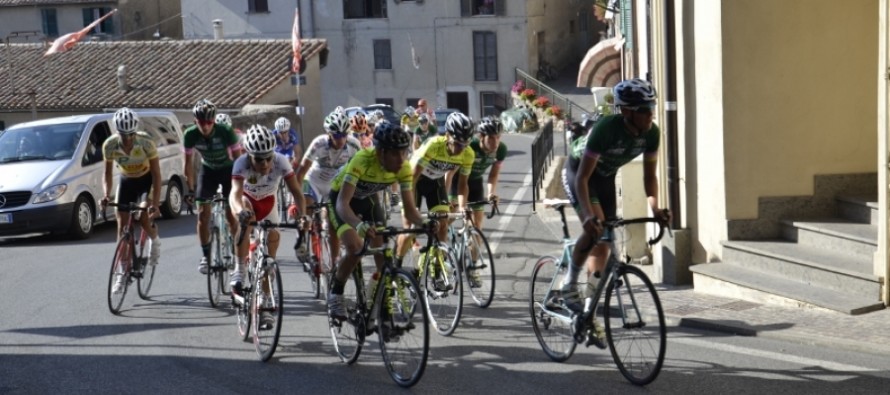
<point>217,29</point>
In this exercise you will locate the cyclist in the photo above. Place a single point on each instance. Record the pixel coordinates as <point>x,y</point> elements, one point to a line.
<point>140,173</point>
<point>435,158</point>
<point>424,130</point>
<point>255,181</point>
<point>409,119</point>
<point>360,130</point>
<point>490,152</point>
<point>324,157</point>
<point>287,142</point>
<point>218,146</point>
<point>225,119</point>
<point>357,208</point>
<point>613,142</point>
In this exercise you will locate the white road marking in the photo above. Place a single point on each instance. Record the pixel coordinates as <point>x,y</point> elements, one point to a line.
<point>832,366</point>
<point>507,215</point>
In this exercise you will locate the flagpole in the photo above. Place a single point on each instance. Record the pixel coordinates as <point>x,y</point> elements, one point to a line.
<point>296,68</point>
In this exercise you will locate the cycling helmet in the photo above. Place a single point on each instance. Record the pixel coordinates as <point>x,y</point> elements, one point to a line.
<point>204,110</point>
<point>224,119</point>
<point>339,109</point>
<point>336,122</point>
<point>389,136</point>
<point>409,111</point>
<point>259,140</point>
<point>635,92</point>
<point>282,124</point>
<point>459,126</point>
<point>376,116</point>
<point>126,121</point>
<point>358,123</point>
<point>489,127</point>
<point>423,118</point>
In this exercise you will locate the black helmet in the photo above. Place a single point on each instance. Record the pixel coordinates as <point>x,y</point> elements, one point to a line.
<point>489,126</point>
<point>204,110</point>
<point>389,136</point>
<point>459,126</point>
<point>635,92</point>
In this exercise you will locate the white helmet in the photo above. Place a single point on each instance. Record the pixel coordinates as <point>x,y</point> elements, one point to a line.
<point>224,119</point>
<point>282,124</point>
<point>336,122</point>
<point>126,121</point>
<point>459,126</point>
<point>259,140</point>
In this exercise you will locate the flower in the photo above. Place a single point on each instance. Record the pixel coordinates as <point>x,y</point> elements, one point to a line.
<point>553,111</point>
<point>542,102</point>
<point>518,86</point>
<point>528,94</point>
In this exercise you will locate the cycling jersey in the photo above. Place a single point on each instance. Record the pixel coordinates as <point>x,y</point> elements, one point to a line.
<point>484,160</point>
<point>327,161</point>
<point>614,147</point>
<point>286,149</point>
<point>424,136</point>
<point>136,163</point>
<point>368,175</point>
<point>435,160</point>
<point>576,152</point>
<point>258,186</point>
<point>214,149</point>
<point>409,122</point>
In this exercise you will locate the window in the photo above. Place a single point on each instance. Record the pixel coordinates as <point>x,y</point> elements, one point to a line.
<point>412,102</point>
<point>382,55</point>
<point>492,103</point>
<point>357,9</point>
<point>257,6</point>
<point>91,14</point>
<point>93,153</point>
<point>50,22</point>
<point>482,7</point>
<point>485,56</point>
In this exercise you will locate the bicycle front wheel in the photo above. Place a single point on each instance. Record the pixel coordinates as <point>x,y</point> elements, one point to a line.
<point>551,321</point>
<point>324,266</point>
<point>635,328</point>
<point>403,327</point>
<point>243,310</point>
<point>217,268</point>
<point>147,270</point>
<point>314,264</point>
<point>120,274</point>
<point>268,310</point>
<point>479,265</point>
<point>349,334</point>
<point>443,288</point>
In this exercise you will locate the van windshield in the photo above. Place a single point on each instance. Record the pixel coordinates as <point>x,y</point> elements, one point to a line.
<point>48,142</point>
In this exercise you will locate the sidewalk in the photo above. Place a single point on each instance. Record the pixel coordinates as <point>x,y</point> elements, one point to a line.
<point>683,307</point>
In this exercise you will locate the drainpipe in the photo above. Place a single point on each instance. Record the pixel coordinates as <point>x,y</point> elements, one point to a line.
<point>673,160</point>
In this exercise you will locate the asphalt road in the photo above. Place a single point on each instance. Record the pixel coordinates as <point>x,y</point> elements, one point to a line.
<point>57,335</point>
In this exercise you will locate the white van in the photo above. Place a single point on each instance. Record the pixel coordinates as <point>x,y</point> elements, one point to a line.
<point>51,172</point>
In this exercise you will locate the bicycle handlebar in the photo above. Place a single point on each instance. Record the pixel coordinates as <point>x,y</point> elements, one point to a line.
<point>492,202</point>
<point>389,231</point>
<point>661,226</point>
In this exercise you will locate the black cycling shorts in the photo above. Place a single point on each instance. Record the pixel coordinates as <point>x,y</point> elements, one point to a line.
<point>368,209</point>
<point>209,180</point>
<point>601,188</point>
<point>476,191</point>
<point>432,191</point>
<point>129,190</point>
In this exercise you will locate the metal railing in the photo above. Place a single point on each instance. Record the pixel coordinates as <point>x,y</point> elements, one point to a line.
<point>573,112</point>
<point>542,155</point>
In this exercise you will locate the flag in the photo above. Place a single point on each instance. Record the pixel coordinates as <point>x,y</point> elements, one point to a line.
<point>67,41</point>
<point>295,64</point>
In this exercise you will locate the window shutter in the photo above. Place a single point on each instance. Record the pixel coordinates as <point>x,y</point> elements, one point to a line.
<point>627,21</point>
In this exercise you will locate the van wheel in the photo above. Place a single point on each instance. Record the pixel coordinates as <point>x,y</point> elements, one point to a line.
<point>82,218</point>
<point>173,202</point>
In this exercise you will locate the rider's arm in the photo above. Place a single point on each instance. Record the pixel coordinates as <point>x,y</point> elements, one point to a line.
<point>411,207</point>
<point>296,190</point>
<point>493,175</point>
<point>236,196</point>
<point>585,171</point>
<point>343,208</point>
<point>155,165</point>
<point>304,168</point>
<point>106,184</point>
<point>462,191</point>
<point>189,170</point>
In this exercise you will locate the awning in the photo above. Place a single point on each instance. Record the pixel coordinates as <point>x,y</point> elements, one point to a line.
<point>602,64</point>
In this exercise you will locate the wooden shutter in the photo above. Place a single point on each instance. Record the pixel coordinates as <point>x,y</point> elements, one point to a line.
<point>627,23</point>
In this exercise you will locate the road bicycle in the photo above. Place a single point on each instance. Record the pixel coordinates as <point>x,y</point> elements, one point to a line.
<point>313,249</point>
<point>473,254</point>
<point>283,201</point>
<point>222,250</point>
<point>263,282</point>
<point>130,260</point>
<point>634,320</point>
<point>394,310</point>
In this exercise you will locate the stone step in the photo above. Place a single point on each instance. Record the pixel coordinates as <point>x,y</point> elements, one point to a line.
<point>738,282</point>
<point>859,208</point>
<point>833,234</point>
<point>830,269</point>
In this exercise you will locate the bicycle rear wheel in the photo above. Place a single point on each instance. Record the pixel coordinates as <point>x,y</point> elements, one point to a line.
<point>479,270</point>
<point>216,272</point>
<point>403,328</point>
<point>349,335</point>
<point>120,269</point>
<point>147,271</point>
<point>635,328</point>
<point>552,323</point>
<point>268,310</point>
<point>444,292</point>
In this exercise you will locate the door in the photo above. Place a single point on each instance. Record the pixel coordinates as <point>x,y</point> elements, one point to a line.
<point>458,100</point>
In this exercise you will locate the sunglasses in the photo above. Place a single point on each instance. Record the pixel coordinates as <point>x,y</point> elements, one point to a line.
<point>338,136</point>
<point>205,123</point>
<point>263,158</point>
<point>642,109</point>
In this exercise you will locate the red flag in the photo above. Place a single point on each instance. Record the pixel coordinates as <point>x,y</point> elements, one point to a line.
<point>67,41</point>
<point>295,64</point>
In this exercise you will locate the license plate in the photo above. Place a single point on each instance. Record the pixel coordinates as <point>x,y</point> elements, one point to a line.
<point>6,218</point>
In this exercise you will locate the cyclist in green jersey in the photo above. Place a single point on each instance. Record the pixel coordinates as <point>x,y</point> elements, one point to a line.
<point>219,147</point>
<point>357,211</point>
<point>424,130</point>
<point>614,141</point>
<point>490,153</point>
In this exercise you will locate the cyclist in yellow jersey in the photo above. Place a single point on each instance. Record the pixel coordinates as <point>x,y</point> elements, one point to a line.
<point>137,158</point>
<point>358,211</point>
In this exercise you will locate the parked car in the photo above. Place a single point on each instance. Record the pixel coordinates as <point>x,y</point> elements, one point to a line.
<point>391,115</point>
<point>441,115</point>
<point>51,172</point>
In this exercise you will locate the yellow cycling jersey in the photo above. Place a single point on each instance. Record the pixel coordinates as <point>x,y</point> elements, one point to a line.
<point>433,157</point>
<point>136,163</point>
<point>368,175</point>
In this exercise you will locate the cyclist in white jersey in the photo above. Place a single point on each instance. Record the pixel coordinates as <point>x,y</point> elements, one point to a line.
<point>324,158</point>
